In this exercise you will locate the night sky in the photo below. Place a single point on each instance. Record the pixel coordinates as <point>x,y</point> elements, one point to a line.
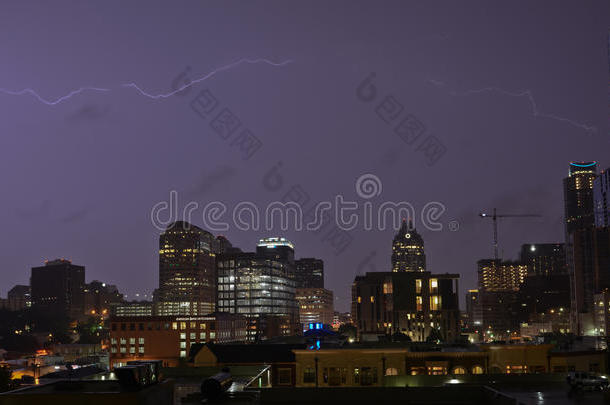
<point>513,92</point>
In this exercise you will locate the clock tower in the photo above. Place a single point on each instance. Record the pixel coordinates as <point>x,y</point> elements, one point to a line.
<point>408,250</point>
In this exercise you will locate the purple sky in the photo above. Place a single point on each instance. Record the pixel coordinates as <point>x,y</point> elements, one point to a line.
<point>79,178</point>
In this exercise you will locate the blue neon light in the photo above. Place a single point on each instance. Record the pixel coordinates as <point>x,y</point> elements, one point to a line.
<point>587,165</point>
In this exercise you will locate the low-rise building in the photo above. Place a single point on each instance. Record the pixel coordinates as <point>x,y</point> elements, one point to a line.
<point>169,338</point>
<point>315,305</point>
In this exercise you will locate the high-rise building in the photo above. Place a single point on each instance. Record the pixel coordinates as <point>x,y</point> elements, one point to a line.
<point>309,273</point>
<point>580,239</point>
<point>544,259</point>
<point>601,186</point>
<point>260,286</point>
<point>500,276</point>
<point>187,271</point>
<point>578,196</point>
<point>408,250</point>
<point>316,305</point>
<point>58,288</point>
<point>418,304</point>
<point>473,308</point>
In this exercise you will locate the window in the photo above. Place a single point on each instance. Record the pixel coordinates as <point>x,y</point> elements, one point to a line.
<point>123,349</point>
<point>435,303</point>
<point>309,375</point>
<point>174,325</point>
<point>113,341</point>
<point>391,371</point>
<point>113,349</point>
<point>183,336</point>
<point>182,353</point>
<point>433,285</point>
<point>132,350</point>
<point>477,370</point>
<point>418,286</point>
<point>182,325</point>
<point>419,303</point>
<point>193,336</point>
<point>284,376</point>
<point>193,325</point>
<point>183,345</point>
<point>141,340</point>
<point>141,349</point>
<point>123,341</point>
<point>202,335</point>
<point>132,341</point>
<point>212,335</point>
<point>459,370</point>
<point>202,326</point>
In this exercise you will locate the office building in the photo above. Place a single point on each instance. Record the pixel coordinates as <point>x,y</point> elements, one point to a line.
<point>260,285</point>
<point>58,288</point>
<point>315,305</point>
<point>419,305</point>
<point>18,298</point>
<point>169,338</point>
<point>187,271</point>
<point>601,186</point>
<point>544,259</point>
<point>309,273</point>
<point>473,309</point>
<point>132,309</point>
<point>408,250</point>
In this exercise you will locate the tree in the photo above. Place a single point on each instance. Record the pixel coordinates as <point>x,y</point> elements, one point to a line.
<point>348,330</point>
<point>6,383</point>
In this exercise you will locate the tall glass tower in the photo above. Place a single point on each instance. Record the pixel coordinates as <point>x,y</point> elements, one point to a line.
<point>187,271</point>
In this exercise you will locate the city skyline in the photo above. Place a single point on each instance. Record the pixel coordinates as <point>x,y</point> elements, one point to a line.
<point>82,177</point>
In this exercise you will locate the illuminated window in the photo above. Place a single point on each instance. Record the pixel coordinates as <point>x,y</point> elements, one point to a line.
<point>359,300</point>
<point>433,285</point>
<point>391,371</point>
<point>174,325</point>
<point>435,303</point>
<point>418,286</point>
<point>183,336</point>
<point>419,302</point>
<point>193,336</point>
<point>202,336</point>
<point>372,299</point>
<point>182,353</point>
<point>132,341</point>
<point>387,288</point>
<point>459,370</point>
<point>141,349</point>
<point>182,325</point>
<point>309,376</point>
<point>183,345</point>
<point>477,370</point>
<point>193,325</point>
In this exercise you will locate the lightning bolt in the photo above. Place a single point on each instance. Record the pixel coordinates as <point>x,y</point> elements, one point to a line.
<point>212,73</point>
<point>73,93</point>
<point>523,93</point>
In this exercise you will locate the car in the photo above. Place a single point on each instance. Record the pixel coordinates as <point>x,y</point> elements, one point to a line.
<point>581,380</point>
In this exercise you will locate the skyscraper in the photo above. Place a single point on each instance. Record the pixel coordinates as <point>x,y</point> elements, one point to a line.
<point>578,196</point>
<point>187,271</point>
<point>408,250</point>
<point>309,273</point>
<point>58,288</point>
<point>500,276</point>
<point>601,186</point>
<point>580,235</point>
<point>260,286</point>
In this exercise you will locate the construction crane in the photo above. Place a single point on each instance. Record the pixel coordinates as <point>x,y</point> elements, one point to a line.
<point>495,217</point>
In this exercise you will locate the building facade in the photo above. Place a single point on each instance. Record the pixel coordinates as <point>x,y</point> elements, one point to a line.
<point>58,287</point>
<point>309,273</point>
<point>258,285</point>
<point>419,305</point>
<point>408,250</point>
<point>316,305</point>
<point>187,271</point>
<point>169,338</point>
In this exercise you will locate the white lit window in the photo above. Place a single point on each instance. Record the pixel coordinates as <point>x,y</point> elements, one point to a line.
<point>141,349</point>
<point>183,336</point>
<point>113,341</point>
<point>182,353</point>
<point>123,349</point>
<point>183,345</point>
<point>132,350</point>
<point>132,341</point>
<point>141,341</point>
<point>193,336</point>
<point>202,336</point>
<point>212,335</point>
